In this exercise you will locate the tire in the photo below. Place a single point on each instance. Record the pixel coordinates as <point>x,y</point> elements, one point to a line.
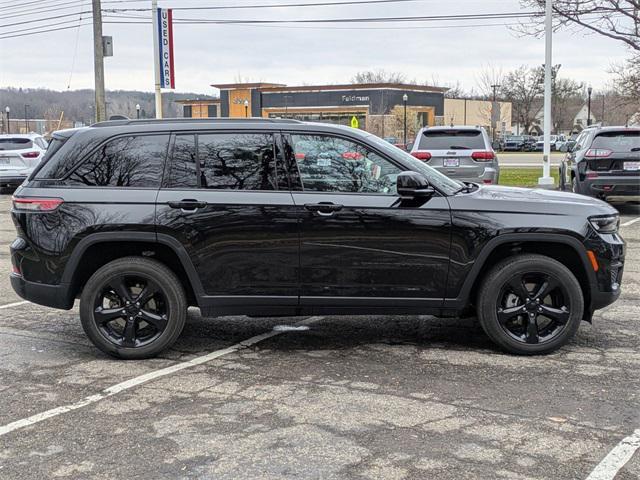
<point>506,316</point>
<point>574,185</point>
<point>134,332</point>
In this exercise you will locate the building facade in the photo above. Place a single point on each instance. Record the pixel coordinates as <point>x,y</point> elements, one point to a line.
<point>377,108</point>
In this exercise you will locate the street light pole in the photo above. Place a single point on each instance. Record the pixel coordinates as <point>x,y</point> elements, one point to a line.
<point>8,110</point>
<point>546,179</point>
<point>405,97</point>
<point>589,91</point>
<point>138,111</point>
<point>246,108</point>
<point>26,121</point>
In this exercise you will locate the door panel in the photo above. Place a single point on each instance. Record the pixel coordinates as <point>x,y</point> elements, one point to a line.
<point>373,247</point>
<point>240,243</point>
<point>224,202</point>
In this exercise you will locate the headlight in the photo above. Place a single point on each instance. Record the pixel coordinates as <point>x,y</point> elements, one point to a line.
<point>606,224</point>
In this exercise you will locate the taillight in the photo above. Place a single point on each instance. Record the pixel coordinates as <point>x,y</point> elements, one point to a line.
<point>36,204</point>
<point>483,156</point>
<point>422,155</point>
<point>597,153</point>
<point>30,155</point>
<point>487,181</point>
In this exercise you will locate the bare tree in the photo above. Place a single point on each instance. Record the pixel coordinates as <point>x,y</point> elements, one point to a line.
<point>489,81</point>
<point>566,93</point>
<point>522,87</point>
<point>616,19</point>
<point>378,76</point>
<point>627,79</point>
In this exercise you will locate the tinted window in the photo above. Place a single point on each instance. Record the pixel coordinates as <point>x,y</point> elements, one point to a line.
<point>184,171</point>
<point>451,140</point>
<point>237,161</point>
<point>130,161</point>
<point>15,143</point>
<point>332,164</point>
<point>618,141</point>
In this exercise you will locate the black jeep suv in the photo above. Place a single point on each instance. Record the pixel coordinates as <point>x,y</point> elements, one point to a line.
<point>604,162</point>
<point>141,219</point>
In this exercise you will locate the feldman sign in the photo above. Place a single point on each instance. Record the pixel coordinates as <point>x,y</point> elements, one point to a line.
<point>165,50</point>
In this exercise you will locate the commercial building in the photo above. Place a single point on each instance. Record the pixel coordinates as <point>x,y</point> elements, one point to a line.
<point>378,108</point>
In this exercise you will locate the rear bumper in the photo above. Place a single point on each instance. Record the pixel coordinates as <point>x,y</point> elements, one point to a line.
<point>490,174</point>
<point>55,296</point>
<point>613,186</point>
<point>12,180</point>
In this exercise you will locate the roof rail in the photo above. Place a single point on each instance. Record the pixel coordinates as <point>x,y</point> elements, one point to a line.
<point>151,121</point>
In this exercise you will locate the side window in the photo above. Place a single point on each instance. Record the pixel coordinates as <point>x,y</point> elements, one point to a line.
<point>581,141</point>
<point>129,161</point>
<point>332,164</point>
<point>184,171</point>
<point>237,161</point>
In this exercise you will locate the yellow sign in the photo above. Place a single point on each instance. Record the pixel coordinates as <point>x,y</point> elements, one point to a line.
<point>354,122</point>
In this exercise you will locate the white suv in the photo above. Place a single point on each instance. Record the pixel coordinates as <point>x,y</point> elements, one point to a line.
<point>19,155</point>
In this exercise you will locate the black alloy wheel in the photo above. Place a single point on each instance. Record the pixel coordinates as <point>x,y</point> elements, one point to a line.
<point>133,308</point>
<point>530,304</point>
<point>131,311</point>
<point>533,308</point>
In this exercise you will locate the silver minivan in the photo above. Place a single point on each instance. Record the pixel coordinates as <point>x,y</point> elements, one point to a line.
<point>463,153</point>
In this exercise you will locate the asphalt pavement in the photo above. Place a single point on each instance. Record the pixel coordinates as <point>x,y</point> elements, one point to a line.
<point>351,397</point>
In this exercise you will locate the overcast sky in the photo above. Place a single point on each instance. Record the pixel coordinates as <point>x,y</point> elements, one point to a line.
<point>207,54</point>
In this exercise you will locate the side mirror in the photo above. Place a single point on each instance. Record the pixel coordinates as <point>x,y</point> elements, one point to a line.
<point>409,146</point>
<point>413,185</point>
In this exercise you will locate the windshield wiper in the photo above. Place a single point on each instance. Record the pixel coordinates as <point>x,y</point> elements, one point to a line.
<point>635,149</point>
<point>459,147</point>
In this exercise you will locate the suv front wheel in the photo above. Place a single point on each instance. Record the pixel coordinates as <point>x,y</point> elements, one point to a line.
<point>530,304</point>
<point>133,308</point>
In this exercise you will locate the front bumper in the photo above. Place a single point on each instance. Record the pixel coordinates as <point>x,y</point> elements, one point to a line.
<point>55,296</point>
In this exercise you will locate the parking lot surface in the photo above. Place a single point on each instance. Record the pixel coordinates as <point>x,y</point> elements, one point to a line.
<point>390,397</point>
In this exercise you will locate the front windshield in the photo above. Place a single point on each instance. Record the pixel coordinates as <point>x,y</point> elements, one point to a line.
<point>445,184</point>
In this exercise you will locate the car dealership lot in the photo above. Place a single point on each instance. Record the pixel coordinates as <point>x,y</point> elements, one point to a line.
<point>331,397</point>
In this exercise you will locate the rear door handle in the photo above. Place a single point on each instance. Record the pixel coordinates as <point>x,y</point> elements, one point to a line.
<point>188,204</point>
<point>323,208</point>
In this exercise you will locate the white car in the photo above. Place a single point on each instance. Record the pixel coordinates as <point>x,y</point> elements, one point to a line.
<point>19,155</point>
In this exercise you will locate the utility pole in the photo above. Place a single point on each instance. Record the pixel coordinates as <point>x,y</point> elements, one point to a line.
<point>98,61</point>
<point>546,180</point>
<point>494,112</point>
<point>156,55</point>
<point>26,118</point>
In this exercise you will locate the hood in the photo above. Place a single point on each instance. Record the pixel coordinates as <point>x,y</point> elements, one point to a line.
<point>532,201</point>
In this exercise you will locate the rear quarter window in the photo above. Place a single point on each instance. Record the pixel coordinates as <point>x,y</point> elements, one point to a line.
<point>451,140</point>
<point>618,141</point>
<point>134,161</point>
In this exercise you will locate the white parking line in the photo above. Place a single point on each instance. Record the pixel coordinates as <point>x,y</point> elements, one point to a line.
<point>630,222</point>
<point>617,458</point>
<point>9,305</point>
<point>147,377</point>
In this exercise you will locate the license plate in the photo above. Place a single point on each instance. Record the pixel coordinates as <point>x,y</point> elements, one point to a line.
<point>451,162</point>
<point>631,165</point>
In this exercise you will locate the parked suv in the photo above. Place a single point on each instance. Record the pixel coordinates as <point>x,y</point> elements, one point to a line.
<point>141,219</point>
<point>463,153</point>
<point>19,155</point>
<point>604,162</point>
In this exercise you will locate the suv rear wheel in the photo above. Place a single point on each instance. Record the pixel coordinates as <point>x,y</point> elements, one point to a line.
<point>133,308</point>
<point>530,304</point>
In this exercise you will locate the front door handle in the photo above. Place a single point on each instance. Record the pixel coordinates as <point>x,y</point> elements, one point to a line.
<point>323,208</point>
<point>187,204</point>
